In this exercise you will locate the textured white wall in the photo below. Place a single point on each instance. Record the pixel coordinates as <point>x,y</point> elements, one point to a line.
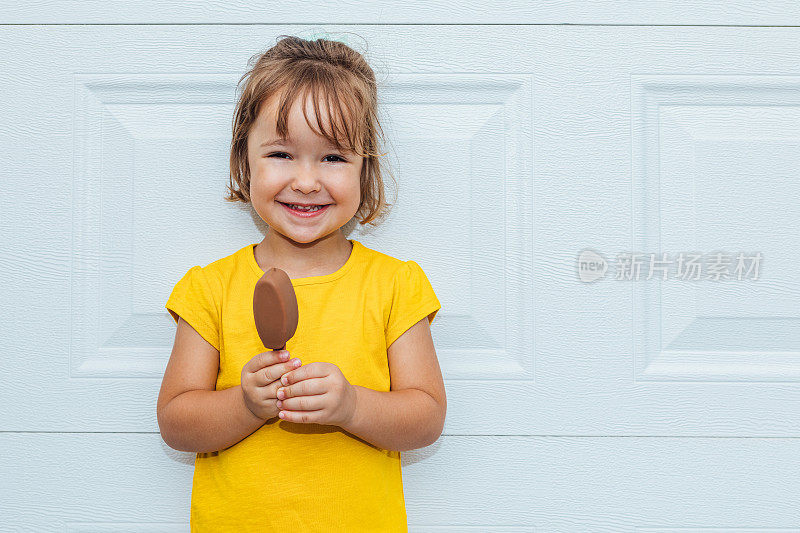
<point>617,405</point>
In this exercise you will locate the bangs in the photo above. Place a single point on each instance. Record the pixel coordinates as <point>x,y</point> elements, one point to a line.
<point>346,126</point>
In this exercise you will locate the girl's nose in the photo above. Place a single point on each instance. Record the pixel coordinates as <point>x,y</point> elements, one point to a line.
<point>306,182</point>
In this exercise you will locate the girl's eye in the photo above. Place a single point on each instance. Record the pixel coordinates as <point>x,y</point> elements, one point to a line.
<point>283,153</point>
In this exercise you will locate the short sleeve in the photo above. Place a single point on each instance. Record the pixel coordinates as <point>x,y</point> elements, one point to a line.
<point>192,300</point>
<point>412,300</point>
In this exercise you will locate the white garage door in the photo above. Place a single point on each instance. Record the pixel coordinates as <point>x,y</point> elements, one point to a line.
<point>620,404</point>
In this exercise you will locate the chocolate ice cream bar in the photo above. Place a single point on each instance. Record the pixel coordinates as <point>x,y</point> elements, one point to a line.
<point>275,309</point>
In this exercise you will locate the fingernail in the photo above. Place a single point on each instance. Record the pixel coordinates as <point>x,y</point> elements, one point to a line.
<point>284,380</point>
<point>296,362</point>
<point>284,355</point>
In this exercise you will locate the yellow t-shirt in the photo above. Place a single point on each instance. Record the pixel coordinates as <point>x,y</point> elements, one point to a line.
<point>289,476</point>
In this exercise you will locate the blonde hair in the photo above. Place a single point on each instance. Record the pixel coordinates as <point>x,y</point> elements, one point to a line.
<point>341,77</point>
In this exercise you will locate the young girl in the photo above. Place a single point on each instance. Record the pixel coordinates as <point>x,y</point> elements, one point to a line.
<point>309,441</point>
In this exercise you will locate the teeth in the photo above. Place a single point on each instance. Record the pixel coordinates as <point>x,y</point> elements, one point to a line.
<point>300,208</point>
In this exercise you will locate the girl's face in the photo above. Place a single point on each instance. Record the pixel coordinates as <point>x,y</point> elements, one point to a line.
<point>304,169</point>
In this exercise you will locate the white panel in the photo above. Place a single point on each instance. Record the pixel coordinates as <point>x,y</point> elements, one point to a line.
<point>672,12</point>
<point>581,190</point>
<point>715,164</point>
<point>141,142</point>
<point>495,484</point>
<point>147,128</point>
<point>462,144</point>
<point>717,530</point>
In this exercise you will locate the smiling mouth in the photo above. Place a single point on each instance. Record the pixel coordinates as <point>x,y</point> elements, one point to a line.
<point>308,209</point>
<point>310,205</point>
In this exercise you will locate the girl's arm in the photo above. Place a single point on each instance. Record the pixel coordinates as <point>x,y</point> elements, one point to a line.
<point>412,414</point>
<point>192,416</point>
<point>396,420</point>
<point>207,421</point>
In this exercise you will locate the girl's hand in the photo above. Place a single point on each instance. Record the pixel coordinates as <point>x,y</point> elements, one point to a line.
<point>260,379</point>
<point>316,393</point>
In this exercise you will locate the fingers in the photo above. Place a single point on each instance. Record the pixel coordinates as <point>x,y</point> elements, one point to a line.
<point>263,359</point>
<point>303,403</point>
<point>307,387</point>
<point>267,375</point>
<point>270,358</point>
